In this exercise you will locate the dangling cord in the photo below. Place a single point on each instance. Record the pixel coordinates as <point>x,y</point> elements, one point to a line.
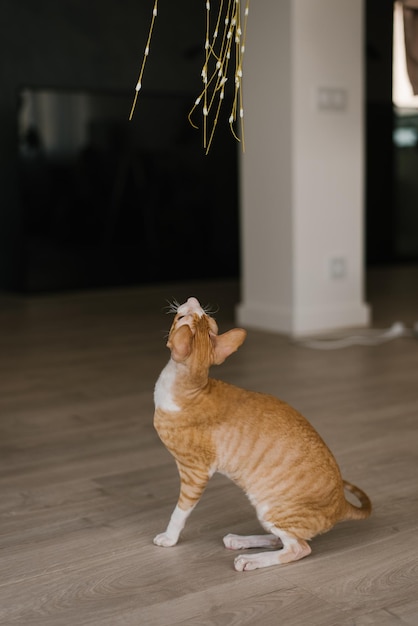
<point>219,60</point>
<point>234,31</point>
<point>144,60</point>
<point>219,70</point>
<point>240,40</point>
<point>205,73</point>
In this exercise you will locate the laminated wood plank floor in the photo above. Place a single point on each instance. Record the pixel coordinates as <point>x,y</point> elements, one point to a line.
<point>85,483</point>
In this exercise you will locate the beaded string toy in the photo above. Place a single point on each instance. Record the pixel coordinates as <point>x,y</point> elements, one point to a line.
<point>225,41</point>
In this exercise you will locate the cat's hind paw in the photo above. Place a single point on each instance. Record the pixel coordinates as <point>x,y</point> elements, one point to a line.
<point>234,542</point>
<point>164,540</point>
<point>247,562</point>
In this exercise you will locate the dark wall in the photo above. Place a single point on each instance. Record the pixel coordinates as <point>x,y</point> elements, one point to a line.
<point>94,44</point>
<point>99,45</point>
<point>379,124</point>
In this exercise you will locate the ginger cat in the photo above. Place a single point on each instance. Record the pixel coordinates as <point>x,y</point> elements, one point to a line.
<point>261,443</point>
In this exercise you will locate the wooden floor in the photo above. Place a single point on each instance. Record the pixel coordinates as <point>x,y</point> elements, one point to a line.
<point>85,484</point>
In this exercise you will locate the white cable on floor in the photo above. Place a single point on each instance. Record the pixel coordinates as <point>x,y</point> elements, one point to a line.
<point>372,337</point>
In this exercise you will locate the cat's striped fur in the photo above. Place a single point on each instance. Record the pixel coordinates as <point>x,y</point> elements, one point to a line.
<point>264,445</point>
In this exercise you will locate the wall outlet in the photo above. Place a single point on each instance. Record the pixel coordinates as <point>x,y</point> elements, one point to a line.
<point>337,267</point>
<point>331,99</point>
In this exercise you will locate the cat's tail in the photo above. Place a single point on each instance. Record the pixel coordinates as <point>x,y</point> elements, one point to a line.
<point>355,512</point>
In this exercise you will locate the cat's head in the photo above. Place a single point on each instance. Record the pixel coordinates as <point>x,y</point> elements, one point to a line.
<point>194,336</point>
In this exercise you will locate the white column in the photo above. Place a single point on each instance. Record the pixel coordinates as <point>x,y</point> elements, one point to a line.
<point>303,171</point>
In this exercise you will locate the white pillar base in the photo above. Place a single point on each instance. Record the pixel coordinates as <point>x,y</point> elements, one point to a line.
<point>303,321</point>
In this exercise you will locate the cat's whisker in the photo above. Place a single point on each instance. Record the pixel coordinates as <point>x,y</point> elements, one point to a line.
<point>172,307</point>
<point>211,309</point>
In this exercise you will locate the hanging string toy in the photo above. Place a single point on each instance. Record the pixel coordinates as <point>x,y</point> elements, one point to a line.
<point>224,44</point>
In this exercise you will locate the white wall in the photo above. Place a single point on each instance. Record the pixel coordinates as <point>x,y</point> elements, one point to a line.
<point>302,173</point>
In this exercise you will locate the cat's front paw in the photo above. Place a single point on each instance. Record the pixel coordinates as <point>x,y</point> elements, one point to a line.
<point>164,540</point>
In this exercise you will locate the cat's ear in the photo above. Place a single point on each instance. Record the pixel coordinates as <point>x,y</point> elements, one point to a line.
<point>227,343</point>
<point>180,343</point>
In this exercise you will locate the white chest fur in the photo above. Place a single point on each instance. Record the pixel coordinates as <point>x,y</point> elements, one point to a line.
<point>164,388</point>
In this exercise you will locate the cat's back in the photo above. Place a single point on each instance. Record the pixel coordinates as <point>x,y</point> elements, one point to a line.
<point>258,425</point>
<point>264,411</point>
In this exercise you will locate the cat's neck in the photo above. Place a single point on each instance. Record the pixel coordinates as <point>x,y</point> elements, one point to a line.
<point>176,383</point>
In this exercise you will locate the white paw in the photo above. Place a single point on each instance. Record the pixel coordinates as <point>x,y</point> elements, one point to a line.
<point>234,542</point>
<point>247,562</point>
<point>164,540</point>
<point>243,563</point>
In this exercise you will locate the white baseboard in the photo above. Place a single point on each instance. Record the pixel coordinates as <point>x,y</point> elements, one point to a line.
<point>302,321</point>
